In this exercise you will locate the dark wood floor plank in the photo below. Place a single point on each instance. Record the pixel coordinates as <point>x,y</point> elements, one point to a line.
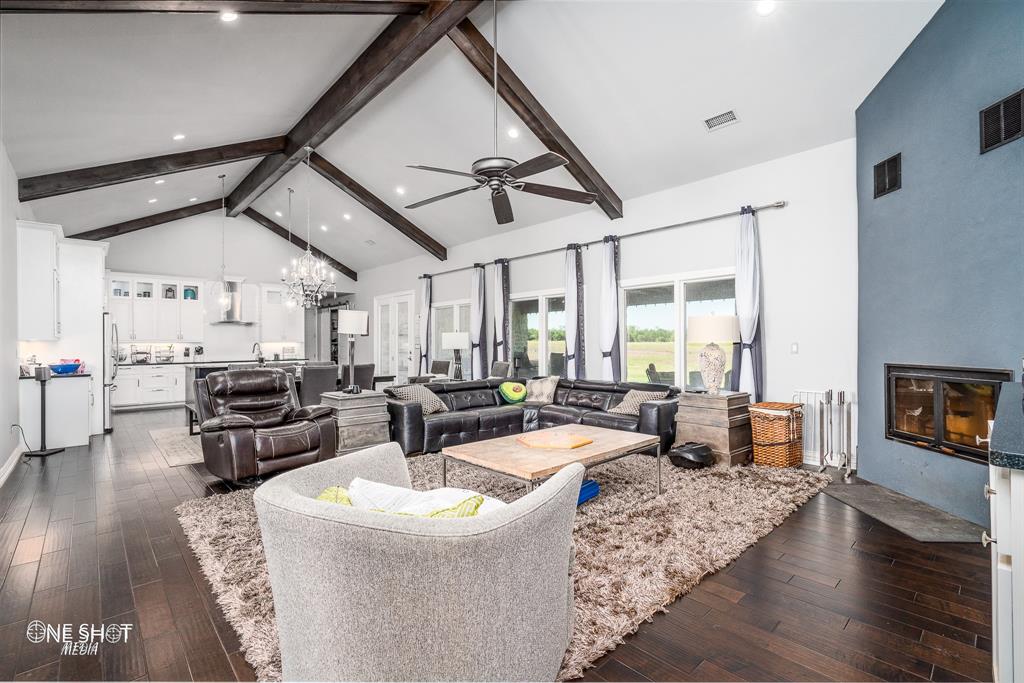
<point>82,606</point>
<point>124,660</point>
<point>16,593</point>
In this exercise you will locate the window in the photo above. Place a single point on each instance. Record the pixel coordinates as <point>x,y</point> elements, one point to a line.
<point>538,335</point>
<point>651,333</point>
<point>708,297</point>
<point>653,315</point>
<point>447,318</point>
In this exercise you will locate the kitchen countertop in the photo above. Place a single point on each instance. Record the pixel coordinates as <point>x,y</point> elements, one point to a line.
<point>208,362</point>
<point>56,376</point>
<point>1007,446</point>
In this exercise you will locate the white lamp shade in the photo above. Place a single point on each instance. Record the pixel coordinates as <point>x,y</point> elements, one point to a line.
<point>704,329</point>
<point>353,322</point>
<point>451,341</point>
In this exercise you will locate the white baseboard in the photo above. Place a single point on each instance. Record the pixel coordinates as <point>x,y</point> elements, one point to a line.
<point>12,460</point>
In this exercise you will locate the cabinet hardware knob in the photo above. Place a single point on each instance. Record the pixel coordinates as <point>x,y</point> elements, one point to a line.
<point>986,539</point>
<point>989,492</point>
<point>978,440</point>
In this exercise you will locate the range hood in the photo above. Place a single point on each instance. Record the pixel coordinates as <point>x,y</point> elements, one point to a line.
<point>232,315</point>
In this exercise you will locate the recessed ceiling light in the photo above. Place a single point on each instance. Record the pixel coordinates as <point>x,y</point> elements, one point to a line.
<point>765,7</point>
<point>152,201</point>
<point>278,214</point>
<point>178,136</point>
<point>324,228</point>
<point>370,243</point>
<point>347,216</point>
<point>228,15</point>
<point>158,182</point>
<point>513,132</point>
<point>400,190</point>
<point>192,199</point>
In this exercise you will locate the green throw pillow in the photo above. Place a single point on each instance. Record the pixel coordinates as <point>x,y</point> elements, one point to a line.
<point>335,494</point>
<point>512,392</point>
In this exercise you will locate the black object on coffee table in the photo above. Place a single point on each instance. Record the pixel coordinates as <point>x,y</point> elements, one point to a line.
<point>691,455</point>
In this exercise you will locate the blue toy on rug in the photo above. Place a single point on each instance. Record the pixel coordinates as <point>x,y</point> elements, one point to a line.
<point>588,489</point>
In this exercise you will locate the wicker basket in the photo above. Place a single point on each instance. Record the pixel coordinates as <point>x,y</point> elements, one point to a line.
<point>778,430</point>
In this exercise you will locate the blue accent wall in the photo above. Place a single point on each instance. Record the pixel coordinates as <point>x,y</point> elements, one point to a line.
<point>941,261</point>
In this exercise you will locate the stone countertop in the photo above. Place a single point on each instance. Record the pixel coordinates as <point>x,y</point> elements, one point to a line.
<point>56,376</point>
<point>208,363</point>
<point>1007,446</point>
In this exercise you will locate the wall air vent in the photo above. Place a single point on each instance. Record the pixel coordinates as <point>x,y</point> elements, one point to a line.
<point>720,121</point>
<point>888,176</point>
<point>1000,123</point>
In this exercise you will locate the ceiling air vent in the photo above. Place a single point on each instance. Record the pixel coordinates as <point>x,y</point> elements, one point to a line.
<point>1000,123</point>
<point>720,121</point>
<point>888,176</point>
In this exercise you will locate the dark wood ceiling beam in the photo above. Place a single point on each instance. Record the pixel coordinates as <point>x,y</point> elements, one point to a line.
<point>53,184</point>
<point>399,45</point>
<point>515,93</point>
<point>298,241</point>
<point>399,222</point>
<point>212,6</point>
<point>118,229</point>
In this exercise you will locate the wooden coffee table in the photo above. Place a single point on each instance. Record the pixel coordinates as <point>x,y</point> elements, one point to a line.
<point>506,456</point>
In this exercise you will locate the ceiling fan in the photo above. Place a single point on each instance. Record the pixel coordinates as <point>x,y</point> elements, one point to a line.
<point>499,173</point>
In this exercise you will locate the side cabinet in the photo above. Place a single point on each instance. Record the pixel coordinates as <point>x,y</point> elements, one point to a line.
<point>38,281</point>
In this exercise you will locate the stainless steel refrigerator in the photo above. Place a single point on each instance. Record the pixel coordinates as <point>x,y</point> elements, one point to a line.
<point>111,350</point>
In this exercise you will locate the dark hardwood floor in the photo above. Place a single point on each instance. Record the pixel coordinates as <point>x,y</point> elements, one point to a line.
<point>90,536</point>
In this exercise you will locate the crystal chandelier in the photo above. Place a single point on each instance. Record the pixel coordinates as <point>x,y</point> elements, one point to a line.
<point>310,279</point>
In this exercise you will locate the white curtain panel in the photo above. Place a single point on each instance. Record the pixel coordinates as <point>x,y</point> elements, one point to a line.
<point>611,353</point>
<point>424,331</point>
<point>575,360</point>
<point>748,303</point>
<point>501,304</point>
<point>478,356</point>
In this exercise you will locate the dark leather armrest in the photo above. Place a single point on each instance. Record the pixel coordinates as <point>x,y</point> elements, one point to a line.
<point>227,421</point>
<point>406,424</point>
<point>659,418</point>
<point>309,413</point>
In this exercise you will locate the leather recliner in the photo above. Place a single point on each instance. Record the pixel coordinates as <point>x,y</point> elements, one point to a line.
<point>476,411</point>
<point>252,425</point>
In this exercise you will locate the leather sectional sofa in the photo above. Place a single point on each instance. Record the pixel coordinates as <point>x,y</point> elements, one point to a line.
<point>476,411</point>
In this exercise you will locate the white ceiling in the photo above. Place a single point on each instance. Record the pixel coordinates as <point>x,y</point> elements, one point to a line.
<point>629,81</point>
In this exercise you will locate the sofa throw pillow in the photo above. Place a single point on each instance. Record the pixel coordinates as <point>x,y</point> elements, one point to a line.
<point>512,392</point>
<point>437,503</point>
<point>335,494</point>
<point>630,404</point>
<point>419,393</point>
<point>541,390</point>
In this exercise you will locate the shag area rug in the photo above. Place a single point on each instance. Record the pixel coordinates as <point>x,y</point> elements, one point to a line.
<point>635,553</point>
<point>177,447</point>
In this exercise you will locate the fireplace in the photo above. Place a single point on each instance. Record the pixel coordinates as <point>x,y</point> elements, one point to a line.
<point>943,409</point>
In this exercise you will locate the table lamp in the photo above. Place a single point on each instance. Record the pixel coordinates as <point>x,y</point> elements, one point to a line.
<point>710,329</point>
<point>456,342</point>
<point>352,323</point>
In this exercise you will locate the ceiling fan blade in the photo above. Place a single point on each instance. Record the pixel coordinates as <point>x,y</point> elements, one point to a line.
<point>435,169</point>
<point>544,162</point>
<point>502,207</point>
<point>439,197</point>
<point>557,192</point>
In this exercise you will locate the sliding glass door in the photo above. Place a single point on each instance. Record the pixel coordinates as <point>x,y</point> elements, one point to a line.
<point>538,335</point>
<point>393,342</point>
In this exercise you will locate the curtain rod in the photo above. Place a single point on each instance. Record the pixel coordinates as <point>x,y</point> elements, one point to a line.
<point>706,219</point>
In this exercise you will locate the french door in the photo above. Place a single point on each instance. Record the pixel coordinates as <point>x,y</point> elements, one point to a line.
<point>393,335</point>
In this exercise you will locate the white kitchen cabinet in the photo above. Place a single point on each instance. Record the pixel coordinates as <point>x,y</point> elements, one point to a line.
<point>68,402</point>
<point>153,308</point>
<point>128,389</point>
<point>190,312</point>
<point>168,308</point>
<point>144,310</point>
<point>38,281</point>
<point>147,385</point>
<point>119,305</point>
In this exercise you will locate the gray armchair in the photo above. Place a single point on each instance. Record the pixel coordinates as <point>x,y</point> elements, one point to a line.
<point>368,596</point>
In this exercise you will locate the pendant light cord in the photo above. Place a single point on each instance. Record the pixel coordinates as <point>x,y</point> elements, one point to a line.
<point>223,216</point>
<point>290,193</point>
<point>309,171</point>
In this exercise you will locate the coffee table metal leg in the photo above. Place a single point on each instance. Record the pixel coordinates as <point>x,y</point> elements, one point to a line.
<point>444,471</point>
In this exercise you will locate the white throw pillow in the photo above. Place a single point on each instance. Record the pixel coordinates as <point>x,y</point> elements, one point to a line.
<point>371,495</point>
<point>541,390</point>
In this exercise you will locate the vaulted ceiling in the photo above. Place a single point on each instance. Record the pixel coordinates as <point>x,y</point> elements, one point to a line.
<point>629,82</point>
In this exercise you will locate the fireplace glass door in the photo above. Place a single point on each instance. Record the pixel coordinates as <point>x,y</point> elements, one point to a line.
<point>941,408</point>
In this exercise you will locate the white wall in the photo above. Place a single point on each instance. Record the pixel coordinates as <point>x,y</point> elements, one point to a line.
<point>809,257</point>
<point>191,246</point>
<point>10,211</point>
